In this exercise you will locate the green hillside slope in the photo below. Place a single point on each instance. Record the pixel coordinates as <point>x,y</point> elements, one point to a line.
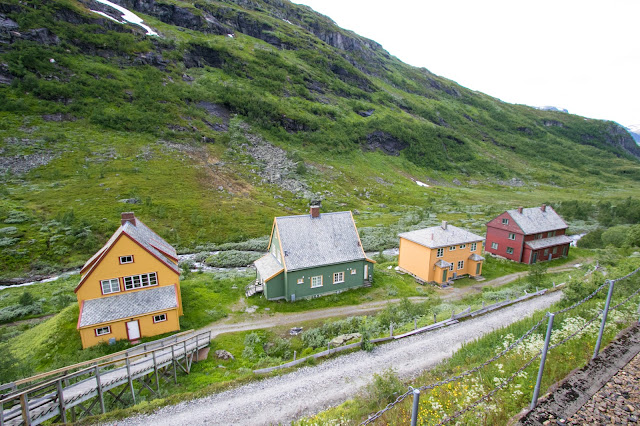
<point>242,110</point>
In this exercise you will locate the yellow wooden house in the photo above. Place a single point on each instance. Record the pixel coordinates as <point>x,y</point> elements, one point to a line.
<point>441,254</point>
<point>130,288</point>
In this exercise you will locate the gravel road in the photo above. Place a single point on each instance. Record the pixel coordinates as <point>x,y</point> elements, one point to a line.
<point>310,390</point>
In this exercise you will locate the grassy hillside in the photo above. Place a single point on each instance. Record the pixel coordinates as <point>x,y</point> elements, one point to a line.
<point>207,136</point>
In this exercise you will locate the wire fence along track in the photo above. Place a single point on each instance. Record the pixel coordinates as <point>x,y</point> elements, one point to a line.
<point>502,385</point>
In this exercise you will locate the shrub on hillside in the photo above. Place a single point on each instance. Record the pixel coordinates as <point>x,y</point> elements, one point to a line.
<point>232,258</point>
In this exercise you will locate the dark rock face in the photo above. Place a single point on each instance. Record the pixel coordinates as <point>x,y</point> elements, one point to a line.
<point>552,123</point>
<point>5,76</point>
<point>218,111</point>
<point>291,125</point>
<point>151,58</point>
<point>350,77</point>
<point>617,136</point>
<point>385,142</point>
<point>179,16</point>
<point>9,33</point>
<point>7,24</point>
<point>41,35</point>
<point>367,113</point>
<point>199,56</point>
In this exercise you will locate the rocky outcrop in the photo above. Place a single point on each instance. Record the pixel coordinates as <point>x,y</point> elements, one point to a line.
<point>10,33</point>
<point>385,142</point>
<point>200,56</point>
<point>617,136</point>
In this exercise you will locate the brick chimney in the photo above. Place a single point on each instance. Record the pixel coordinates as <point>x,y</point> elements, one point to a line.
<point>314,211</point>
<point>543,207</point>
<point>128,217</point>
<point>520,209</point>
<point>444,225</point>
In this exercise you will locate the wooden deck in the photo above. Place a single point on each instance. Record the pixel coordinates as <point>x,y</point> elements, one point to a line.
<point>82,387</point>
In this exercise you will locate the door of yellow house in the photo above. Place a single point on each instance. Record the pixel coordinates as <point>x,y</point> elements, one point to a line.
<point>444,275</point>
<point>478,268</point>
<point>133,330</point>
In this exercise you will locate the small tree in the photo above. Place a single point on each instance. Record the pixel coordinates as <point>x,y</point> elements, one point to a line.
<point>26,299</point>
<point>536,273</point>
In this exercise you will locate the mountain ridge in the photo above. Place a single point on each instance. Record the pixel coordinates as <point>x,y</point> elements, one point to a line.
<point>194,126</point>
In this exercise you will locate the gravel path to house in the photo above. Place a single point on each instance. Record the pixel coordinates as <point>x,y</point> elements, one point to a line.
<point>309,390</point>
<point>260,321</point>
<point>456,293</point>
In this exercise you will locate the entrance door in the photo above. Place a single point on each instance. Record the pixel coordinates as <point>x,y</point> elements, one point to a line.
<point>565,249</point>
<point>478,268</point>
<point>133,330</point>
<point>366,271</point>
<point>535,257</point>
<point>444,276</point>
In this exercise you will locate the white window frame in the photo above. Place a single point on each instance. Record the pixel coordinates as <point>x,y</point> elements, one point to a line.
<point>452,248</point>
<point>101,331</point>
<point>440,252</point>
<point>134,282</point>
<point>159,318</point>
<point>555,250</point>
<point>463,246</point>
<point>353,271</point>
<point>505,221</point>
<point>512,236</point>
<point>300,280</point>
<point>338,277</point>
<point>509,250</point>
<point>494,246</point>
<point>460,264</point>
<point>451,267</point>
<point>315,279</point>
<point>126,259</point>
<point>474,246</point>
<point>111,283</point>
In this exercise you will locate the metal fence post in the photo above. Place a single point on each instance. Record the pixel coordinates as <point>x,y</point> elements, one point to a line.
<point>133,394</point>
<point>416,404</point>
<point>294,355</point>
<point>415,323</point>
<point>197,349</point>
<point>173,360</point>
<point>63,409</point>
<point>435,318</point>
<point>99,388</point>
<point>155,370</point>
<point>536,390</point>
<point>24,405</point>
<point>604,320</point>
<point>391,330</point>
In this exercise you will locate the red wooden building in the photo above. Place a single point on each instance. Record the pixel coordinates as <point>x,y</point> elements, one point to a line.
<point>528,235</point>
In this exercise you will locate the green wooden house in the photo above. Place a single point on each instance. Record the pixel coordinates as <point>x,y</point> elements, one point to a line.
<point>312,255</point>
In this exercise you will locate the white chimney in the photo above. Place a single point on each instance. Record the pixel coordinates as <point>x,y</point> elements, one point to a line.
<point>444,225</point>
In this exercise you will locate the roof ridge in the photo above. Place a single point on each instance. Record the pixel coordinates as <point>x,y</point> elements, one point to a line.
<point>307,214</point>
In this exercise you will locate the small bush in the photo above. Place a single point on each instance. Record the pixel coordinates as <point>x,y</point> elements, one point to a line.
<point>385,387</point>
<point>232,258</point>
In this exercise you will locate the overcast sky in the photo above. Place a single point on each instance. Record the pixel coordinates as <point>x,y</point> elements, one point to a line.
<point>580,55</point>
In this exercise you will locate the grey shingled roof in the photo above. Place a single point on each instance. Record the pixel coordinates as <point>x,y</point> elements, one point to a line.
<point>548,242</point>
<point>533,220</point>
<point>476,257</point>
<point>436,237</point>
<point>127,305</point>
<point>443,264</point>
<point>147,238</point>
<point>268,266</point>
<point>328,239</point>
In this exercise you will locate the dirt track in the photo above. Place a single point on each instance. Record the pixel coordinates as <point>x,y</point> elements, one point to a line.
<point>455,293</point>
<point>308,390</point>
